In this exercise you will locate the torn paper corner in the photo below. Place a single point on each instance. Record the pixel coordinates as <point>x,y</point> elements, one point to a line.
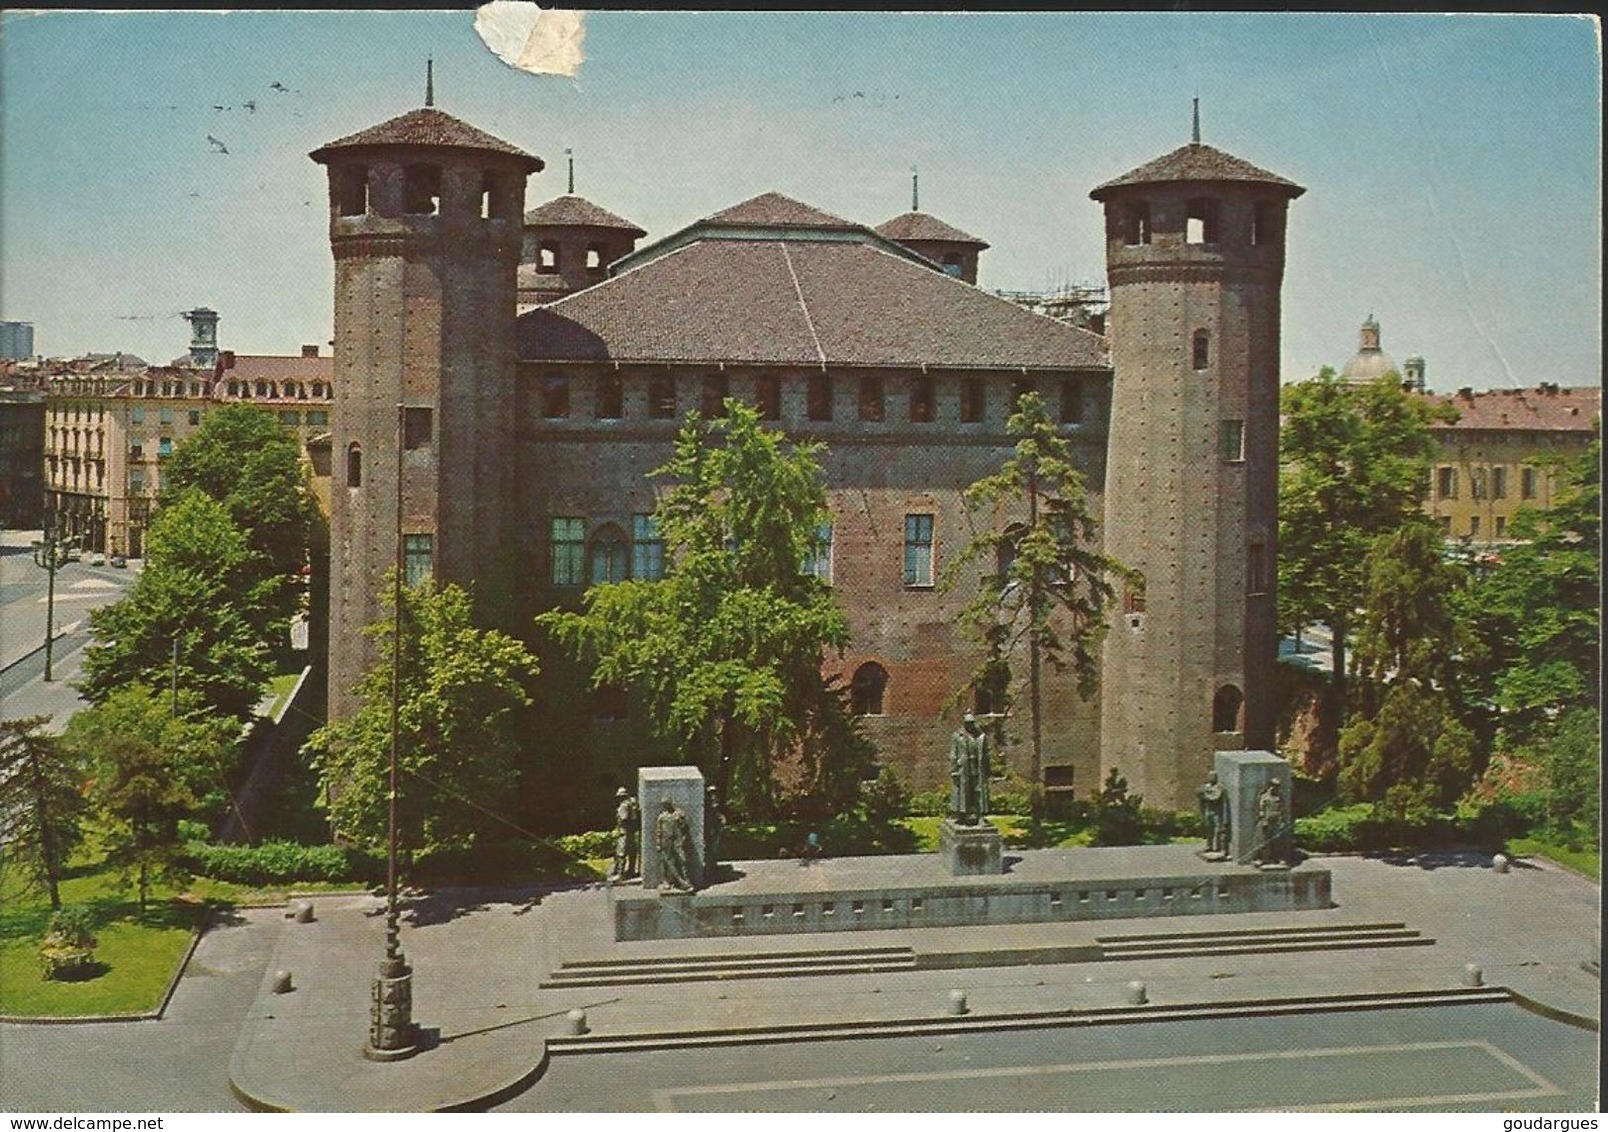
<point>526,37</point>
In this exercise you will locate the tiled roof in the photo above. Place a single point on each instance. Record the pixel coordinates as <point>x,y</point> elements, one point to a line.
<point>1196,162</point>
<point>280,367</point>
<point>1546,408</point>
<point>579,212</point>
<point>801,302</point>
<point>920,226</point>
<point>773,210</point>
<point>428,126</point>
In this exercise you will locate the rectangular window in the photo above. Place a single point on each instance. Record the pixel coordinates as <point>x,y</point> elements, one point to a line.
<point>195,416</point>
<point>1231,440</point>
<point>555,398</point>
<point>818,397</point>
<point>1476,483</point>
<point>871,407</point>
<point>289,417</point>
<point>1498,483</point>
<point>164,415</point>
<point>1527,483</point>
<point>662,397</point>
<point>136,484</point>
<point>164,446</point>
<point>138,415</point>
<point>1473,525</point>
<point>318,416</point>
<point>1446,483</point>
<point>1071,401</point>
<point>1446,526</point>
<point>973,400</point>
<point>768,396</point>
<point>1501,526</point>
<point>416,554</point>
<point>918,550</point>
<point>713,402</point>
<point>818,564</point>
<point>921,400</point>
<point>418,427</point>
<point>610,404</point>
<point>136,451</point>
<point>569,551</point>
<point>647,549</point>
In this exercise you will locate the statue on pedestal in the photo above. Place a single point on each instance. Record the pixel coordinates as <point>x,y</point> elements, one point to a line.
<point>1271,823</point>
<point>627,836</point>
<point>673,841</point>
<point>968,772</point>
<point>1213,800</point>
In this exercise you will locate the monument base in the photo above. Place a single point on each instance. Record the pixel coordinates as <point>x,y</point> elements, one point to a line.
<point>971,850</point>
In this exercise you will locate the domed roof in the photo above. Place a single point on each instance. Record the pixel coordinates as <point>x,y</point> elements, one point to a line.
<point>1370,361</point>
<point>577,212</point>
<point>920,226</point>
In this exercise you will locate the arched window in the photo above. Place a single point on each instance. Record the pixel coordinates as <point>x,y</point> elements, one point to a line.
<point>354,465</point>
<point>866,688</point>
<point>1200,351</point>
<point>262,389</point>
<point>1226,709</point>
<point>611,555</point>
<point>318,389</point>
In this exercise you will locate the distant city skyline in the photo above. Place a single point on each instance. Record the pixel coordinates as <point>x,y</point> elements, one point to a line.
<point>155,162</point>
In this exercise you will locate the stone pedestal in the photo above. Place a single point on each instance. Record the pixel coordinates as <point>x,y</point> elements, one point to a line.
<point>1245,774</point>
<point>683,785</point>
<point>392,1034</point>
<point>970,850</point>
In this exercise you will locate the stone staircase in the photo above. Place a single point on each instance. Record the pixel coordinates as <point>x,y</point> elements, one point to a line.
<point>650,970</point>
<point>1253,941</point>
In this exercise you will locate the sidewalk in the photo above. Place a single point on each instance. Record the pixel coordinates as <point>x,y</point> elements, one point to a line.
<point>478,957</point>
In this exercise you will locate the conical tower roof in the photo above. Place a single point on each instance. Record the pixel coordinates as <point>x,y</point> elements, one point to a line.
<point>427,127</point>
<point>1197,162</point>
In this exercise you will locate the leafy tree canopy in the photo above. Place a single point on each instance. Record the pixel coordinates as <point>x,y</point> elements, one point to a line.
<point>41,801</point>
<point>460,692</point>
<point>727,647</point>
<point>202,588</point>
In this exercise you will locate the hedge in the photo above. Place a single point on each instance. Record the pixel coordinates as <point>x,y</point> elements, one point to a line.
<point>282,862</point>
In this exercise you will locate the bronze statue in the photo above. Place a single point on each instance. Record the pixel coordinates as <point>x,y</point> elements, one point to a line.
<point>1214,813</point>
<point>968,772</point>
<point>673,840</point>
<point>714,826</point>
<point>1270,825</point>
<point>627,836</point>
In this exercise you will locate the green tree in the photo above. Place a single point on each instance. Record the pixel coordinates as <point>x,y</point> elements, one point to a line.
<point>1409,748</point>
<point>1571,756</point>
<point>460,690</point>
<point>1049,588</point>
<point>1537,612</point>
<point>151,767</point>
<point>727,647</point>
<point>192,617</point>
<point>245,459</point>
<point>41,802</point>
<point>1355,465</point>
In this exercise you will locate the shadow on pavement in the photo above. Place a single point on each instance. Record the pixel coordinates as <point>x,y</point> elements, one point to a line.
<point>1441,859</point>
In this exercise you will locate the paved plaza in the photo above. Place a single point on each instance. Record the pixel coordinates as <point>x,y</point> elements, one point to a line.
<point>1218,1031</point>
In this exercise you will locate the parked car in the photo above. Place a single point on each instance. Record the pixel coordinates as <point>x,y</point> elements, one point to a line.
<point>97,559</point>
<point>74,553</point>
<point>119,561</point>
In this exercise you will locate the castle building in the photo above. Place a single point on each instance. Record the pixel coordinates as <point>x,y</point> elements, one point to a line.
<point>527,435</point>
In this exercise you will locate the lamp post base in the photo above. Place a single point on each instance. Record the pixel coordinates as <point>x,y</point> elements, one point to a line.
<point>393,1036</point>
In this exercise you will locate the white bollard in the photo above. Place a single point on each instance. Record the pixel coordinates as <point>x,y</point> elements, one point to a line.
<point>576,1021</point>
<point>1473,976</point>
<point>1137,995</point>
<point>1499,863</point>
<point>957,1002</point>
<point>304,912</point>
<point>282,982</point>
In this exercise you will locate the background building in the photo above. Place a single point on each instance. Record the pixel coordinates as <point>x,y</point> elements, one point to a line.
<point>22,455</point>
<point>16,340</point>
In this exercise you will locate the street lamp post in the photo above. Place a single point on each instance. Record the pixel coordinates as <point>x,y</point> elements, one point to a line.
<point>49,554</point>
<point>392,1032</point>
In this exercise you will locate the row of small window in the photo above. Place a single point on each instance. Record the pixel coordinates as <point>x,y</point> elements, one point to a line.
<point>77,411</point>
<point>290,389</point>
<point>71,470</point>
<point>549,257</point>
<point>1491,483</point>
<point>493,197</point>
<point>608,397</point>
<point>316,417</point>
<point>609,556</point>
<point>167,389</point>
<point>136,482</point>
<point>1499,527</point>
<point>73,439</point>
<point>1202,223</point>
<point>164,447</point>
<point>164,415</point>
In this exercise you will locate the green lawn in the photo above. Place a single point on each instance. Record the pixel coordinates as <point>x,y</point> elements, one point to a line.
<point>1585,860</point>
<point>280,688</point>
<point>136,956</point>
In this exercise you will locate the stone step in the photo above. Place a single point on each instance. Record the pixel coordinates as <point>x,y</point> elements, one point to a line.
<point>646,961</point>
<point>1284,947</point>
<point>1238,941</point>
<point>695,968</point>
<point>1152,1012</point>
<point>1222,933</point>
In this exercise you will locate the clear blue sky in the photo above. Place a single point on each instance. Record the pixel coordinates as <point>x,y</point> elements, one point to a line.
<point>1453,164</point>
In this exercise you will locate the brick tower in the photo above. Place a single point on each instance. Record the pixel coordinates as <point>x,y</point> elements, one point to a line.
<point>1195,258</point>
<point>425,216</point>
